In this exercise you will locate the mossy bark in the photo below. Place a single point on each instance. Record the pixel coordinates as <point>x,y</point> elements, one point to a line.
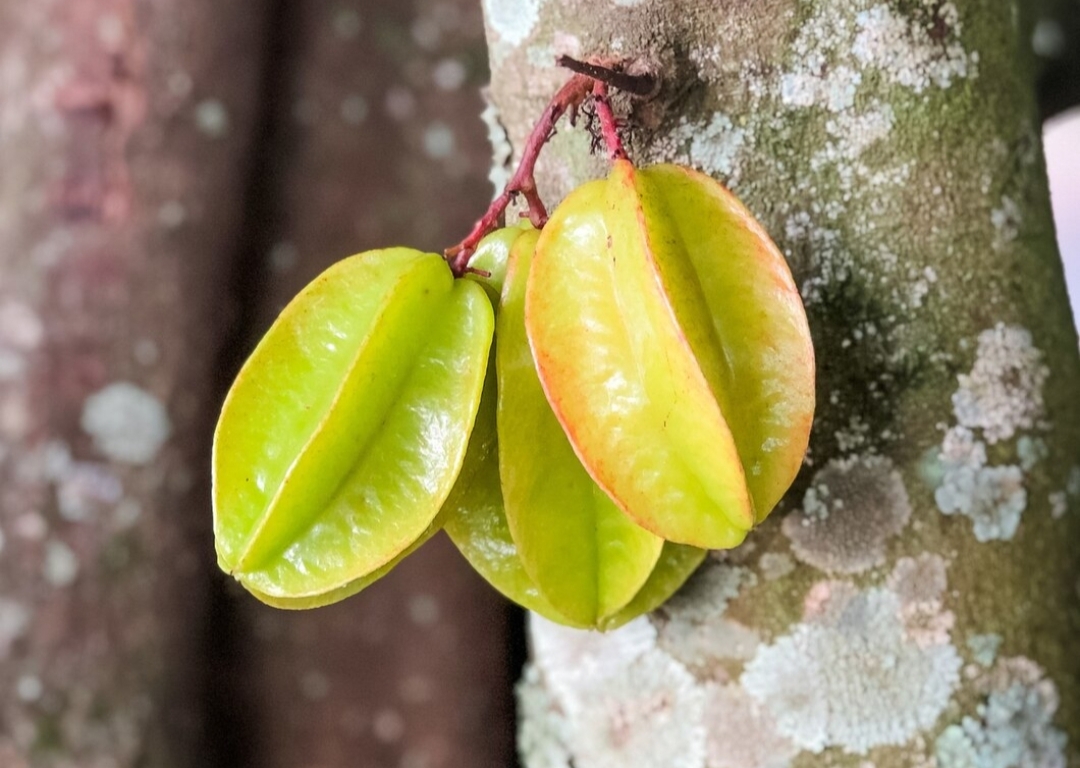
<point>892,149</point>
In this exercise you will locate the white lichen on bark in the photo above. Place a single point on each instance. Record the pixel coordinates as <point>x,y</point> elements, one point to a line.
<point>1002,395</point>
<point>1013,725</point>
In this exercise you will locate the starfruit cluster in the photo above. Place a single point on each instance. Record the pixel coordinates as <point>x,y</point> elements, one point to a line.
<point>624,389</point>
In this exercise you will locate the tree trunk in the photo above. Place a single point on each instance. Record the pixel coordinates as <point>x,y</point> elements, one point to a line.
<point>124,135</point>
<point>915,598</point>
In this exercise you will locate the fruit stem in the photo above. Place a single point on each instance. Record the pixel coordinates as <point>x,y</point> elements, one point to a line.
<point>608,126</point>
<point>590,80</point>
<point>568,99</point>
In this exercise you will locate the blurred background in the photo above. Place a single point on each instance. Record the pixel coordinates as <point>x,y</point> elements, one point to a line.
<point>171,173</point>
<point>1061,136</point>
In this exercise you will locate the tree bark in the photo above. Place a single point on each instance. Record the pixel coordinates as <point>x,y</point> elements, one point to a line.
<point>914,600</point>
<point>124,137</point>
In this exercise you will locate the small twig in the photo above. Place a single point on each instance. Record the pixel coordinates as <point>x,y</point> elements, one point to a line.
<point>568,99</point>
<point>635,85</point>
<point>608,128</point>
<point>589,81</point>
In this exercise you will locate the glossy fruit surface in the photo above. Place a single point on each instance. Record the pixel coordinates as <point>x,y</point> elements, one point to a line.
<point>673,347</point>
<point>319,599</point>
<point>491,257</point>
<point>728,281</point>
<point>346,428</point>
<point>676,564</point>
<point>475,519</point>
<point>585,556</point>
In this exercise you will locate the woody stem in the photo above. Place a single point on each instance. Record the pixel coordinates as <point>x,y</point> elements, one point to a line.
<point>568,99</point>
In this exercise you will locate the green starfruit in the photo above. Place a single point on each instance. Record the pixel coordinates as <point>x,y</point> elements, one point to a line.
<point>347,427</point>
<point>559,509</point>
<point>475,520</point>
<point>488,263</point>
<point>586,557</point>
<point>673,347</point>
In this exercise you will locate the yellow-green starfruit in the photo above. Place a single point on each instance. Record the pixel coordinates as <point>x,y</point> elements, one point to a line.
<point>475,520</point>
<point>586,557</point>
<point>526,514</point>
<point>673,346</point>
<point>347,427</point>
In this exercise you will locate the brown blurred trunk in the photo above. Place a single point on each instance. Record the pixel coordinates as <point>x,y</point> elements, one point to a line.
<point>170,174</point>
<point>124,133</point>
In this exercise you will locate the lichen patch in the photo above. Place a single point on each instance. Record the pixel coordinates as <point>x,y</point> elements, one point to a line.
<point>650,714</point>
<point>20,326</point>
<point>775,565</point>
<point>702,646</point>
<point>741,732</point>
<point>851,510</point>
<point>61,565</point>
<point>904,51</point>
<point>999,398</point>
<point>693,629</point>
<point>708,592</point>
<point>984,648</point>
<point>596,700</point>
<point>920,584</point>
<point>1059,504</point>
<point>1003,392</point>
<point>854,652</point>
<point>542,726</point>
<point>14,619</point>
<point>512,20</point>
<point>127,423</point>
<point>993,497</point>
<point>501,150</point>
<point>564,655</point>
<point>1012,727</point>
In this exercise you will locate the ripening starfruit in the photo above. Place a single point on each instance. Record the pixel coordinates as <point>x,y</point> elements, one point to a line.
<point>586,557</point>
<point>525,512</point>
<point>347,427</point>
<point>674,349</point>
<point>475,519</point>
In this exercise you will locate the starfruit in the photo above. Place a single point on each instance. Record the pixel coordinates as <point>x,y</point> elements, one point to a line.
<point>673,346</point>
<point>475,520</point>
<point>346,429</point>
<point>586,557</point>
<point>526,514</point>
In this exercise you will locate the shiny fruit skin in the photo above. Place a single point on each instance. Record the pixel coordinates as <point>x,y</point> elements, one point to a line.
<point>586,557</point>
<point>475,519</point>
<point>491,256</point>
<point>474,515</point>
<point>347,426</point>
<point>735,287</point>
<point>672,346</point>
